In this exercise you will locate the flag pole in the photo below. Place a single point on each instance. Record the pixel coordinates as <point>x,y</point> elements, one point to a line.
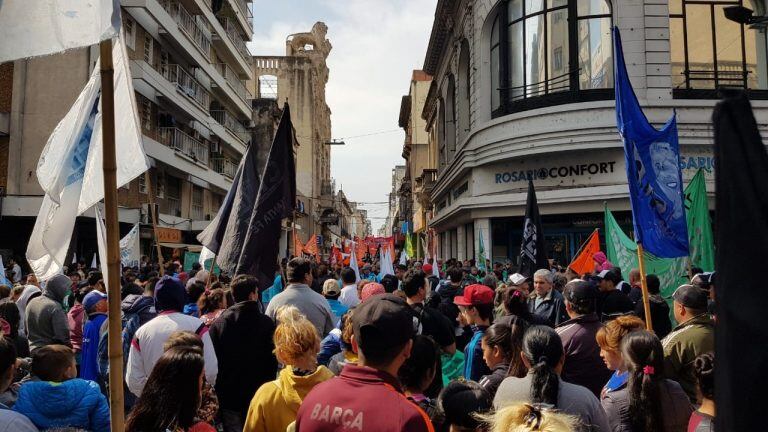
<point>153,211</point>
<point>109,165</point>
<point>210,273</point>
<point>644,286</point>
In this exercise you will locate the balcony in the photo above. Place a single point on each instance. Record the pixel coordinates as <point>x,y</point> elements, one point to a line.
<point>188,24</point>
<point>230,123</point>
<point>423,186</point>
<point>224,167</point>
<point>187,85</point>
<point>241,6</point>
<point>182,143</point>
<point>234,82</point>
<point>234,37</point>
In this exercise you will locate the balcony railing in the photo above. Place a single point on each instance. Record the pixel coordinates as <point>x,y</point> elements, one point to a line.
<point>243,6</point>
<point>237,85</point>
<point>231,123</point>
<point>181,142</point>
<point>187,85</point>
<point>224,167</point>
<point>189,25</point>
<point>234,36</point>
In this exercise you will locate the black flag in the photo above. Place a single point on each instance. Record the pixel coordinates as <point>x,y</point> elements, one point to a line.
<point>741,202</point>
<point>533,251</point>
<point>245,234</point>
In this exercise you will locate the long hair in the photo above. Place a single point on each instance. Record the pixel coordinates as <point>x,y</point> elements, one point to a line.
<point>643,356</point>
<point>211,300</point>
<point>543,349</point>
<point>527,417</point>
<point>10,312</point>
<point>515,302</point>
<point>295,336</point>
<point>171,396</point>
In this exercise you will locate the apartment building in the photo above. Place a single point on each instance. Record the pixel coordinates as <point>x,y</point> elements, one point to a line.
<point>190,66</point>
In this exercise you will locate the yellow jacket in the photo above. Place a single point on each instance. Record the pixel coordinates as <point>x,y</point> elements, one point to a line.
<point>275,404</point>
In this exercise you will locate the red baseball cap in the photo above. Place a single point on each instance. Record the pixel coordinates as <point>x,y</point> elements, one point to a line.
<point>475,294</point>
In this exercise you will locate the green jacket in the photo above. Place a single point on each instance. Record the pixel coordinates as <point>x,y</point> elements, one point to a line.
<point>681,347</point>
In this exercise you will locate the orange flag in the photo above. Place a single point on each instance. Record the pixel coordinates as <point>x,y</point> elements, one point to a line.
<point>311,247</point>
<point>298,249</point>
<point>583,262</point>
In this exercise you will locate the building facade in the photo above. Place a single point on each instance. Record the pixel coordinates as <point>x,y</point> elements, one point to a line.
<point>299,78</point>
<point>190,66</point>
<point>395,217</point>
<point>524,89</point>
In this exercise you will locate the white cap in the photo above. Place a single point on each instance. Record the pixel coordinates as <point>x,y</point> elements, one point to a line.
<point>517,278</point>
<point>603,274</point>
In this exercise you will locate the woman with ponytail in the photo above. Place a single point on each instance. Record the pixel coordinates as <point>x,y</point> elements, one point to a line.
<point>501,351</point>
<point>703,419</point>
<point>543,355</point>
<point>648,403</point>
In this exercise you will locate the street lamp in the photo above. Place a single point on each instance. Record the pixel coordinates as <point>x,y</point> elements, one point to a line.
<point>743,15</point>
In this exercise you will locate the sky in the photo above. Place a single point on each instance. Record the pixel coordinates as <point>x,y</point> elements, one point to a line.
<point>376,46</point>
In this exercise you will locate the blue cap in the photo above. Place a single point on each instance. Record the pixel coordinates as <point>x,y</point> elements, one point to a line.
<point>92,298</point>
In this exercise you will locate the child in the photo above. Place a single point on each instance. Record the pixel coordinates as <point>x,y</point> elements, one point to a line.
<point>476,309</point>
<point>463,402</point>
<point>59,399</point>
<point>417,373</point>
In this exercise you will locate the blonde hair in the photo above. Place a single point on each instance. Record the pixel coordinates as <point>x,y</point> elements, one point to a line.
<point>295,336</point>
<point>609,336</point>
<point>527,417</point>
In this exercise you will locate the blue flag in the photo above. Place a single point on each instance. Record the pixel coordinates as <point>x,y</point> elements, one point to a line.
<point>653,170</point>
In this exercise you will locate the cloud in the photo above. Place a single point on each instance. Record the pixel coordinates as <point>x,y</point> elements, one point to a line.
<point>376,46</point>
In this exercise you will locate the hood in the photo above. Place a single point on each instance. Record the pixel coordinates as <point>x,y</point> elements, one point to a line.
<point>295,388</point>
<point>56,287</point>
<point>53,400</point>
<point>29,291</point>
<point>136,303</point>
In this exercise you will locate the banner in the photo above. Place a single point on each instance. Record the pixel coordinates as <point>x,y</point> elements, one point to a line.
<point>653,170</point>
<point>583,263</point>
<point>130,251</point>
<point>481,256</point>
<point>702,245</point>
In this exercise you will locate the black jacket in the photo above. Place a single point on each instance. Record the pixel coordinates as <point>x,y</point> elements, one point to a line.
<point>583,364</point>
<point>659,315</point>
<point>613,302</point>
<point>242,339</point>
<point>552,308</point>
<point>492,381</point>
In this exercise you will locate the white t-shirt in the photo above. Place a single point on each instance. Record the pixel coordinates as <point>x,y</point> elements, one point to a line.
<point>349,296</point>
<point>16,273</point>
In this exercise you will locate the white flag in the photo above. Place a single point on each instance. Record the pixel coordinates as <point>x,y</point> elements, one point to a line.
<point>101,237</point>
<point>30,28</point>
<point>70,166</point>
<point>74,258</point>
<point>130,252</point>
<point>353,263</point>
<point>205,255</point>
<point>385,263</point>
<point>435,270</point>
<point>403,257</point>
<point>94,262</point>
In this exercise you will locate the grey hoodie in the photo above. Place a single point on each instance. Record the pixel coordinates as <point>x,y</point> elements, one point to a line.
<point>46,321</point>
<point>21,303</point>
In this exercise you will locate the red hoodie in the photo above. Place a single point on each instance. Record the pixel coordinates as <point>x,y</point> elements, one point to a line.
<point>360,399</point>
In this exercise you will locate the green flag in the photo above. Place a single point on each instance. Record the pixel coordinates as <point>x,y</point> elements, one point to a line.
<point>702,246</point>
<point>481,252</point>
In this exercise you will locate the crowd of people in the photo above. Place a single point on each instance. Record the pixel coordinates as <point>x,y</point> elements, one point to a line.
<point>328,348</point>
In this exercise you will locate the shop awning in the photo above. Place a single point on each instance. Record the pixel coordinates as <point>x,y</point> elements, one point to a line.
<point>189,247</point>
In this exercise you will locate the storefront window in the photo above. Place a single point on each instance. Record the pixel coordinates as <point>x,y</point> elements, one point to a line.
<point>550,52</point>
<point>709,51</point>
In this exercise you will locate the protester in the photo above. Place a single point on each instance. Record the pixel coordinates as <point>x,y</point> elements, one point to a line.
<point>371,289</point>
<point>514,303</point>
<point>601,262</point>
<point>30,292</point>
<point>476,308</point>
<point>194,292</point>
<point>531,418</point>
<point>501,345</point>
<point>323,275</point>
<point>172,394</point>
<point>147,345</point>
<point>609,339</point>
<point>390,283</point>
<point>693,336</point>
<point>383,332</point>
<point>211,305</point>
<point>137,310</point>
<point>57,399</point>
<point>611,302</point>
<point>463,404</point>
<point>331,292</point>
<point>46,321</point>
<point>242,338</point>
<point>660,321</point>
<point>546,302</point>
<point>703,419</point>
<point>75,319</point>
<point>636,290</point>
<point>543,355</point>
<point>349,297</point>
<point>520,282</point>
<point>10,314</point>
<point>298,293</point>
<point>96,307</point>
<point>275,403</point>
<point>434,281</point>
<point>418,373</point>
<point>346,354</point>
<point>583,365</point>
<point>648,402</point>
<point>10,421</point>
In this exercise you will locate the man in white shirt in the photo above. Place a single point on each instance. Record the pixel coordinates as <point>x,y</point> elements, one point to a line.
<point>349,297</point>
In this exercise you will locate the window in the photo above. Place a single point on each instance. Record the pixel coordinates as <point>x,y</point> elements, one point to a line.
<point>130,32</point>
<point>160,184</point>
<point>142,184</point>
<point>197,203</point>
<point>545,52</point>
<point>146,114</point>
<point>708,51</point>
<point>149,47</point>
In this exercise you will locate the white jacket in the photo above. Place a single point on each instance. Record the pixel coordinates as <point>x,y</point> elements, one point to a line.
<point>147,347</point>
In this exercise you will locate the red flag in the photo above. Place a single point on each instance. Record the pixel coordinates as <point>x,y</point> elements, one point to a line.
<point>583,262</point>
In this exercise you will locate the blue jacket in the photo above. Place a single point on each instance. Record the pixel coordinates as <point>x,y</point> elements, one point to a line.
<point>74,403</point>
<point>338,310</point>
<point>89,367</point>
<point>475,366</point>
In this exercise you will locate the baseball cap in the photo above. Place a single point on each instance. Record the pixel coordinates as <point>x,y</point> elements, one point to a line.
<point>603,274</point>
<point>475,294</point>
<point>703,280</point>
<point>382,323</point>
<point>427,268</point>
<point>371,289</point>
<point>691,296</point>
<point>92,298</point>
<point>331,288</point>
<point>577,291</point>
<point>517,278</point>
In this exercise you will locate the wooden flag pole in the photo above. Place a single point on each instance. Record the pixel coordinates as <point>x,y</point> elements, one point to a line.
<point>644,286</point>
<point>210,273</point>
<point>115,348</point>
<point>152,210</point>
